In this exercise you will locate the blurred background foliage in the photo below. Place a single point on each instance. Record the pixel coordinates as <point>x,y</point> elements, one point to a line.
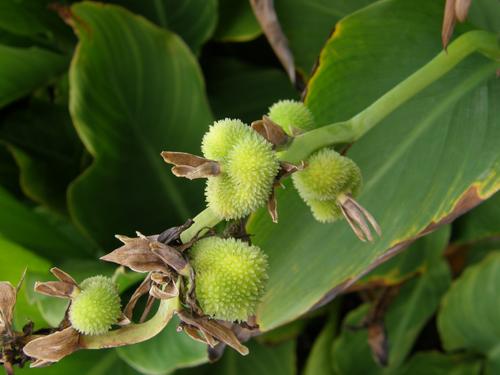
<point>90,93</point>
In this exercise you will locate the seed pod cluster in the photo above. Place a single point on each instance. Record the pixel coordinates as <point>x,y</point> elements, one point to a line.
<point>326,178</point>
<point>292,116</point>
<point>248,167</point>
<point>230,277</point>
<point>97,307</point>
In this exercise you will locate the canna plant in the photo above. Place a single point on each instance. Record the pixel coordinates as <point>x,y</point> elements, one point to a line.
<point>223,273</point>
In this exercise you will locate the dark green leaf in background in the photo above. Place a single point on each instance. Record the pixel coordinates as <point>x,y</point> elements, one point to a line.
<point>240,90</point>
<point>9,172</point>
<point>46,148</point>
<point>434,363</point>
<point>468,318</point>
<point>481,223</point>
<point>135,90</point>
<point>237,22</point>
<point>308,23</point>
<point>193,20</point>
<point>485,14</point>
<point>416,259</point>
<point>40,232</point>
<point>28,69</point>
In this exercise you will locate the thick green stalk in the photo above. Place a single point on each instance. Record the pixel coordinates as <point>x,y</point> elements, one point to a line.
<point>353,129</point>
<point>133,333</point>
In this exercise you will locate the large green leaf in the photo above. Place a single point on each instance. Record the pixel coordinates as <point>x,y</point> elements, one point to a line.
<point>240,90</point>
<point>42,233</point>
<point>46,148</point>
<point>135,90</point>
<point>428,162</point>
<point>308,23</point>
<point>193,20</point>
<point>165,352</point>
<point>468,318</point>
<point>28,69</point>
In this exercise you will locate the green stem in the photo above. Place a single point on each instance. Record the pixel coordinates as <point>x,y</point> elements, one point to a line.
<point>133,333</point>
<point>205,219</point>
<point>353,129</point>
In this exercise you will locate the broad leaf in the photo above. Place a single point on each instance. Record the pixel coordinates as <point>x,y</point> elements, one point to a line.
<point>193,20</point>
<point>165,352</point>
<point>29,68</point>
<point>427,163</point>
<point>135,90</point>
<point>468,318</point>
<point>240,90</point>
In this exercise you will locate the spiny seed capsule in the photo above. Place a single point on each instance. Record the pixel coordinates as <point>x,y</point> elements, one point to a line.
<point>328,175</point>
<point>97,307</point>
<point>221,137</point>
<point>230,277</point>
<point>248,166</point>
<point>290,115</point>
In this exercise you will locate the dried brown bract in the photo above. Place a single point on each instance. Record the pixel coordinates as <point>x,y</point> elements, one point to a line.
<point>191,166</point>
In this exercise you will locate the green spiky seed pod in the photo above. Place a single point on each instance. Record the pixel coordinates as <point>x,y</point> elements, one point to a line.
<point>230,277</point>
<point>221,137</point>
<point>325,211</point>
<point>327,175</point>
<point>248,166</point>
<point>97,307</point>
<point>290,114</point>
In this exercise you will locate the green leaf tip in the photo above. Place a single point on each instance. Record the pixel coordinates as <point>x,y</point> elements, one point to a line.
<point>291,115</point>
<point>230,277</point>
<point>97,307</point>
<point>248,166</point>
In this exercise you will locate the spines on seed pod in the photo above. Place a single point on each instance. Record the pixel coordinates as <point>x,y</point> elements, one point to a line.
<point>290,115</point>
<point>230,277</point>
<point>328,175</point>
<point>248,166</point>
<point>221,137</point>
<point>97,307</point>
